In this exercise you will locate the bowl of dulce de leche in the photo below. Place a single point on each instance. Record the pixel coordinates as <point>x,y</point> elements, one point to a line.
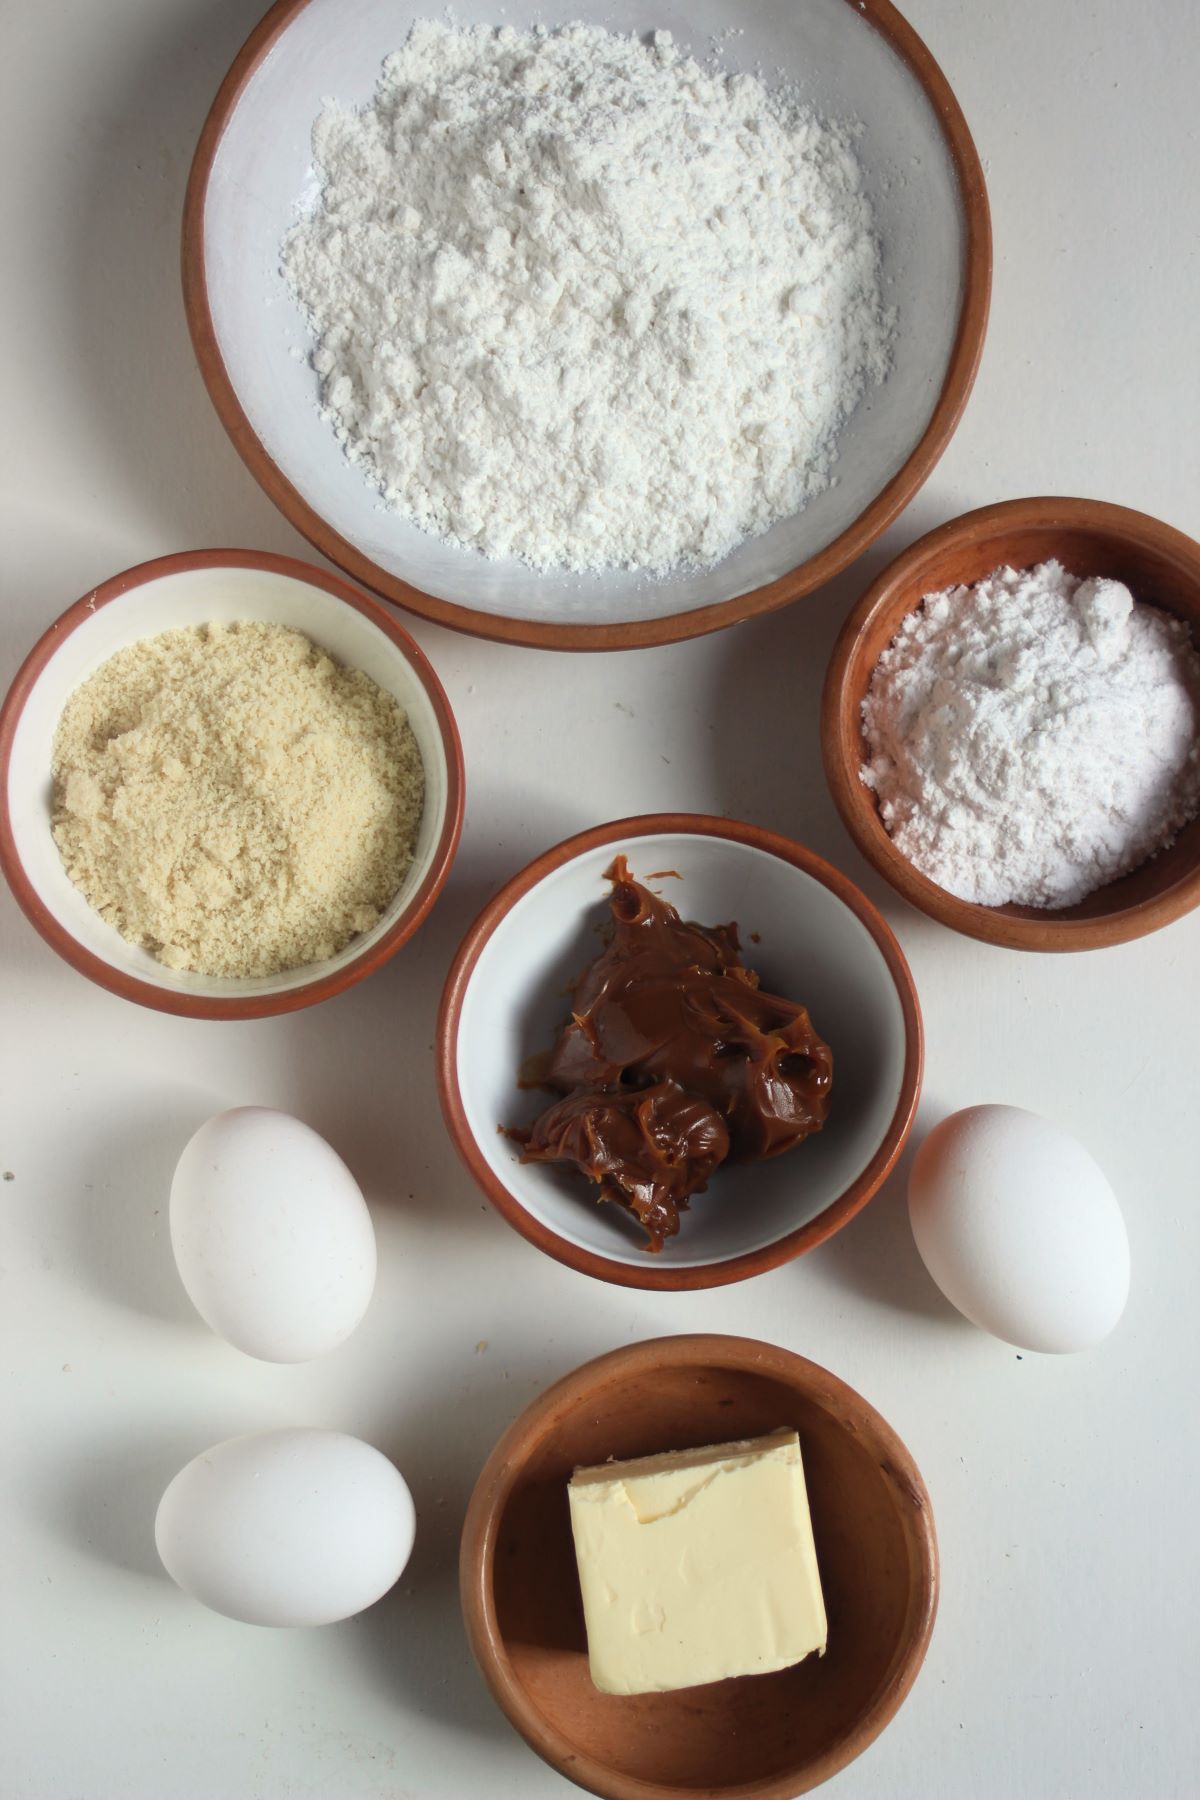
<point>676,1051</point>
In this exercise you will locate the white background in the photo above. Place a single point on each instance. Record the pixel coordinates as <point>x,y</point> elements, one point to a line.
<point>1063,1663</point>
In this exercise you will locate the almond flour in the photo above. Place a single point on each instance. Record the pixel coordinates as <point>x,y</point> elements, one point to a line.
<point>234,801</point>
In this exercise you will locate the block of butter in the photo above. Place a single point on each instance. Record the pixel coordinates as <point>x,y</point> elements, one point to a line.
<point>697,1565</point>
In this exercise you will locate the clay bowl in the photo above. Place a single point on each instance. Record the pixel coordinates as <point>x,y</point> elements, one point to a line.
<point>192,589</point>
<point>819,940</point>
<point>253,173</point>
<point>761,1737</point>
<point>1088,537</point>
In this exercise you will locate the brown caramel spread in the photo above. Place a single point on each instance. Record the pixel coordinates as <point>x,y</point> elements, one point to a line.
<point>673,1062</point>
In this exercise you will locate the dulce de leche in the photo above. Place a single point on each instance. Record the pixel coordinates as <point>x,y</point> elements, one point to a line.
<point>673,1062</point>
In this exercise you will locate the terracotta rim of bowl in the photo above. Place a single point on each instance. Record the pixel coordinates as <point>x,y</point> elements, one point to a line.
<point>202,1006</point>
<point>734,1268</point>
<point>842,748</point>
<point>633,633</point>
<point>525,1436</point>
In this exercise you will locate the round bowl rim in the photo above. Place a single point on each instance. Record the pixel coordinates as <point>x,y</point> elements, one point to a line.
<point>204,1006</point>
<point>530,1429</point>
<point>857,808</point>
<point>732,1268</point>
<point>888,503</point>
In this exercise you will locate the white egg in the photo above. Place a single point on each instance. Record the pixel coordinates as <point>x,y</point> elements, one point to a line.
<point>292,1527</point>
<point>1020,1229</point>
<point>271,1235</point>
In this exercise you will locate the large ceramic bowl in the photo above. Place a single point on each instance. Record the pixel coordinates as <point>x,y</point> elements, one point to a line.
<point>762,1737</point>
<point>1089,537</point>
<point>194,589</point>
<point>853,59</point>
<point>811,935</point>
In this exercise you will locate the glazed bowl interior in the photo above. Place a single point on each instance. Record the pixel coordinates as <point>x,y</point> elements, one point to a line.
<point>765,1735</point>
<point>806,943</point>
<point>197,596</point>
<point>1159,565</point>
<point>254,343</point>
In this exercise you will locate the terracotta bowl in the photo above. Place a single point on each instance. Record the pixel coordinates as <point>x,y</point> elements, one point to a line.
<point>760,1737</point>
<point>855,59</point>
<point>811,935</point>
<point>1088,537</point>
<point>192,589</point>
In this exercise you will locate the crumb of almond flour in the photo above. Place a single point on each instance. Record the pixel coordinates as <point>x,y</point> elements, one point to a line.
<point>233,800</point>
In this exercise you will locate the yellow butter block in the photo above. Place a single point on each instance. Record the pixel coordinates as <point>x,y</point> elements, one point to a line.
<point>697,1565</point>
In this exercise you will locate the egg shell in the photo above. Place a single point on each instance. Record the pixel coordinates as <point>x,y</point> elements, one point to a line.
<point>272,1236</point>
<point>1020,1228</point>
<point>295,1527</point>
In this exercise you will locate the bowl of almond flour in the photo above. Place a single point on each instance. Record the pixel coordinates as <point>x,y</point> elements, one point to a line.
<point>1011,724</point>
<point>588,335</point>
<point>230,785</point>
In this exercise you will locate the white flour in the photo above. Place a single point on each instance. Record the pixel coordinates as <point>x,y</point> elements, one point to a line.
<point>580,301</point>
<point>1034,736</point>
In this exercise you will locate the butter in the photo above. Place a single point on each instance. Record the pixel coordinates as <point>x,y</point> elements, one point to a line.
<point>697,1565</point>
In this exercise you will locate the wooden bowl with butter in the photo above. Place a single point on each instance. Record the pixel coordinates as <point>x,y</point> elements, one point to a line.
<point>761,1737</point>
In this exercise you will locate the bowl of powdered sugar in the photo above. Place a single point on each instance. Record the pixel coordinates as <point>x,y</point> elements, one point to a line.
<point>1011,724</point>
<point>592,334</point>
<point>230,785</point>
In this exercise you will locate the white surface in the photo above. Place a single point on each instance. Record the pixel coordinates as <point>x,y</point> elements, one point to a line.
<point>1062,1665</point>
<point>193,597</point>
<point>812,948</point>
<point>287,1527</point>
<point>263,173</point>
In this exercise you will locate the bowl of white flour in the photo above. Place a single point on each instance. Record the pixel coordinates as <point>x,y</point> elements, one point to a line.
<point>1011,724</point>
<point>591,334</point>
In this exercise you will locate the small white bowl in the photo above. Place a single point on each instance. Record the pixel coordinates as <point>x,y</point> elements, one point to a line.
<point>196,588</point>
<point>253,176</point>
<point>811,935</point>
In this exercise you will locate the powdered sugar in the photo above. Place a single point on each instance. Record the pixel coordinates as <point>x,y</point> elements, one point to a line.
<point>582,301</point>
<point>1034,736</point>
